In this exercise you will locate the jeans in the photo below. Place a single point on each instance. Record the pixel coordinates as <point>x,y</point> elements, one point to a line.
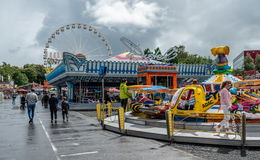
<point>31,108</point>
<point>13,101</point>
<point>54,112</point>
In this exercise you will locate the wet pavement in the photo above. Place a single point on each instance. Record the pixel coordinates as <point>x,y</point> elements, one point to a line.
<point>210,152</point>
<point>80,138</point>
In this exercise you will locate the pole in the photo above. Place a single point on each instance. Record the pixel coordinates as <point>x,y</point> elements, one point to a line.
<point>243,135</point>
<point>103,91</point>
<point>243,138</point>
<point>102,104</point>
<point>80,91</point>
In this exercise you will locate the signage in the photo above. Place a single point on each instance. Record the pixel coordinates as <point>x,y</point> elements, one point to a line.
<point>102,70</point>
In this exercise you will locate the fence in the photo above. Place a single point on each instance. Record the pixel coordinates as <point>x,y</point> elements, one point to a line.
<point>238,125</point>
<point>107,110</point>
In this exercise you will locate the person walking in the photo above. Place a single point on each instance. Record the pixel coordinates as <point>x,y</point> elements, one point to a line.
<point>23,101</point>
<point>14,95</point>
<point>225,103</point>
<point>65,109</point>
<point>124,94</point>
<point>45,100</point>
<point>31,100</point>
<point>53,102</point>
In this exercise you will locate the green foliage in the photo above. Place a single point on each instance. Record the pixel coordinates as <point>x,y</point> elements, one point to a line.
<point>34,72</point>
<point>249,63</point>
<point>6,70</point>
<point>31,74</point>
<point>257,63</point>
<point>20,76</point>
<point>182,56</point>
<point>238,72</point>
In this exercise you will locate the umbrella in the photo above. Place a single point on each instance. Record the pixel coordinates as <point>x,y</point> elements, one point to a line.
<point>21,90</point>
<point>38,89</point>
<point>113,90</point>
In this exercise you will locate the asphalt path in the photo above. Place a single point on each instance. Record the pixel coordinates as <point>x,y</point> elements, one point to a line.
<point>81,138</point>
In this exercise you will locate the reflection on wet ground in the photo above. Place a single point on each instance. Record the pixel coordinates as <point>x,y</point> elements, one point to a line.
<point>80,138</point>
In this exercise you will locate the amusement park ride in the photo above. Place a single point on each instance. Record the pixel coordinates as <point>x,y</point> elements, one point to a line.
<point>73,38</point>
<point>135,49</point>
<point>197,99</point>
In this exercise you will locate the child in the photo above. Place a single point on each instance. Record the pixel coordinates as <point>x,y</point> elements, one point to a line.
<point>65,108</point>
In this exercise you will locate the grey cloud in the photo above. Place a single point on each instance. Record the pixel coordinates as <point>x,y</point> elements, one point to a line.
<point>199,25</point>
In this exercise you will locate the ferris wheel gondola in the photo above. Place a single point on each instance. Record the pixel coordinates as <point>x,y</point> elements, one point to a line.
<point>76,38</point>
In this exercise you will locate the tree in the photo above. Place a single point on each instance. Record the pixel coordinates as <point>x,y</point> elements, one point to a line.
<point>6,70</point>
<point>31,73</point>
<point>19,78</point>
<point>38,72</point>
<point>249,63</point>
<point>257,63</point>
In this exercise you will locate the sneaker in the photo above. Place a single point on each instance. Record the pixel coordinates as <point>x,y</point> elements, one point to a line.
<point>30,121</point>
<point>55,120</point>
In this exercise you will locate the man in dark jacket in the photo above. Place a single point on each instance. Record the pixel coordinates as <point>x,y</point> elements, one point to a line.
<point>53,102</point>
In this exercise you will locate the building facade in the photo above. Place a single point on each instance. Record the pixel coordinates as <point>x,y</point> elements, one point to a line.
<point>238,62</point>
<point>81,76</point>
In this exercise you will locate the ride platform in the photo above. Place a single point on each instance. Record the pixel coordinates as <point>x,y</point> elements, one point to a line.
<point>188,132</point>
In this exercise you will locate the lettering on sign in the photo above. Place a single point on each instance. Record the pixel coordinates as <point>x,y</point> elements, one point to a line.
<point>210,102</point>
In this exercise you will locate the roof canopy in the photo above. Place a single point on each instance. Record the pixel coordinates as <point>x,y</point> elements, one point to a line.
<point>127,56</point>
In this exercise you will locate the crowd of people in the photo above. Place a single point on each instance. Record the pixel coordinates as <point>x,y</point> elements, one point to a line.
<point>30,100</point>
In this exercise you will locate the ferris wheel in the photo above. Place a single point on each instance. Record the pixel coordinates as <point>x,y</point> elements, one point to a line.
<point>77,39</point>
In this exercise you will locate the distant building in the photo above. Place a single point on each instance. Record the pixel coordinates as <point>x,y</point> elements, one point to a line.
<point>238,62</point>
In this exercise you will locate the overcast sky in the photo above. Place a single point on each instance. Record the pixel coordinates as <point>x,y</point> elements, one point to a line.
<point>199,25</point>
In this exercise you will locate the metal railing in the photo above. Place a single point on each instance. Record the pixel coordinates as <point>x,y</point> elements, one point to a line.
<point>108,111</point>
<point>238,124</point>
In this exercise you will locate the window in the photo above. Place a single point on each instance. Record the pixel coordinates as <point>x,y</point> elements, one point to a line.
<point>186,100</point>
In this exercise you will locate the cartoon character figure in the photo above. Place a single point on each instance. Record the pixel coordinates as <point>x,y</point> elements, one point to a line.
<point>222,66</point>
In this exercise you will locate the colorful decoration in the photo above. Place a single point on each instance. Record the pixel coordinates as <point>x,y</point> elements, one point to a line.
<point>222,66</point>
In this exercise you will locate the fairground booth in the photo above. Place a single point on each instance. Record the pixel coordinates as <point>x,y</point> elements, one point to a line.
<point>158,74</point>
<point>80,76</point>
